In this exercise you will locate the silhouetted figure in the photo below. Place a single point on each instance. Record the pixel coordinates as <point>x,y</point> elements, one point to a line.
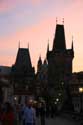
<point>42,114</point>
<point>29,114</point>
<point>47,111</point>
<point>8,115</point>
<point>1,114</point>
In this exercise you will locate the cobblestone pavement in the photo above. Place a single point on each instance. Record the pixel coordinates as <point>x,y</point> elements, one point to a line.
<point>58,121</point>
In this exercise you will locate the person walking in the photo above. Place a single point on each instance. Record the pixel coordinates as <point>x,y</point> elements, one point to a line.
<point>8,115</point>
<point>42,113</point>
<point>29,114</point>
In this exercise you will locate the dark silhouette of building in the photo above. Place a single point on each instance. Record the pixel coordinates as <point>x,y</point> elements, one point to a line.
<point>76,91</point>
<point>59,66</point>
<point>23,73</point>
<point>41,78</point>
<point>5,86</point>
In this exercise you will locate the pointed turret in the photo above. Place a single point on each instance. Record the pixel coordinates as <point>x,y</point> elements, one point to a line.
<point>48,47</point>
<point>19,44</point>
<point>72,47</point>
<point>39,65</point>
<point>40,60</point>
<point>28,45</point>
<point>45,62</point>
<point>59,39</point>
<point>72,44</point>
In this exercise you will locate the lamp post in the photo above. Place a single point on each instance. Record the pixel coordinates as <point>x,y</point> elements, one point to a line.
<point>81,92</point>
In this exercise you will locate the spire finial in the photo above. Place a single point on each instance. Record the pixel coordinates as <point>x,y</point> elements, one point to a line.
<point>56,20</point>
<point>48,46</point>
<point>72,42</point>
<point>63,21</point>
<point>48,41</point>
<point>72,38</point>
<point>19,44</point>
<point>40,56</point>
<point>28,45</point>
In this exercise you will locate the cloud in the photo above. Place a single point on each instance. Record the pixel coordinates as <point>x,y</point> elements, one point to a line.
<point>7,5</point>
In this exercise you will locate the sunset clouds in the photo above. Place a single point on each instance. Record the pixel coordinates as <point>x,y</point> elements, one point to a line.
<point>34,22</point>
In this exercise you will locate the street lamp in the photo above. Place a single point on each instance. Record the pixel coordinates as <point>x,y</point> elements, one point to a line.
<point>80,89</point>
<point>81,92</point>
<point>57,99</point>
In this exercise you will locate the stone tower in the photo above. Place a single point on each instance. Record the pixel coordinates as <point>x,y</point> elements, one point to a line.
<point>22,71</point>
<point>59,63</point>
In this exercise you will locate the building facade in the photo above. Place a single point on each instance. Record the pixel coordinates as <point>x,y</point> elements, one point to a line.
<point>41,79</point>
<point>23,74</point>
<point>5,85</point>
<point>76,91</point>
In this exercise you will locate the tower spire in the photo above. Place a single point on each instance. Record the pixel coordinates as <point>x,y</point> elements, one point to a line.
<point>40,57</point>
<point>28,45</point>
<point>59,38</point>
<point>63,21</point>
<point>72,43</point>
<point>48,46</point>
<point>39,64</point>
<point>56,20</point>
<point>19,44</point>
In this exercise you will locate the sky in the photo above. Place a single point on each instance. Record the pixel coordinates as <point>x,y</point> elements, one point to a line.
<point>33,22</point>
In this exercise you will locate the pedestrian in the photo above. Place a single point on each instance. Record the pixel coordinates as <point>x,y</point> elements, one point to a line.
<point>42,113</point>
<point>29,114</point>
<point>1,114</point>
<point>8,115</point>
<point>23,107</point>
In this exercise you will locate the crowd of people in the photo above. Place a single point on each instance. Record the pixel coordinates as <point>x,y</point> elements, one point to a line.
<point>19,114</point>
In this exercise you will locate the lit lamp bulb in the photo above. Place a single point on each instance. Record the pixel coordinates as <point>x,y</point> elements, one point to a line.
<point>15,98</point>
<point>80,90</point>
<point>57,99</point>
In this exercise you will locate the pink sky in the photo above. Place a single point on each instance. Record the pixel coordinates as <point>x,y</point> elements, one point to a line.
<point>34,22</point>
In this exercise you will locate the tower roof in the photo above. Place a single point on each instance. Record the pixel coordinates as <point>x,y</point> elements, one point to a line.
<point>59,39</point>
<point>23,58</point>
<point>40,60</point>
<point>72,44</point>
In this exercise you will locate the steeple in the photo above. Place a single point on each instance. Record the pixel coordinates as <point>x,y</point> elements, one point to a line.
<point>28,45</point>
<point>72,44</point>
<point>19,44</point>
<point>40,60</point>
<point>39,64</point>
<point>59,39</point>
<point>48,47</point>
<point>45,62</point>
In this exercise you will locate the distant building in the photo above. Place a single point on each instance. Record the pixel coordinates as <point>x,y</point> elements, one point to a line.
<point>59,66</point>
<point>76,91</point>
<point>41,78</point>
<point>5,86</point>
<point>23,74</point>
<point>5,72</point>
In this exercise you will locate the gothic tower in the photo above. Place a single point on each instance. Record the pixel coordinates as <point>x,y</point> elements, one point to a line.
<point>22,71</point>
<point>59,62</point>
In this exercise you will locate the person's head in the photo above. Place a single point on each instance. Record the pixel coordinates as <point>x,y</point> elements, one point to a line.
<point>29,103</point>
